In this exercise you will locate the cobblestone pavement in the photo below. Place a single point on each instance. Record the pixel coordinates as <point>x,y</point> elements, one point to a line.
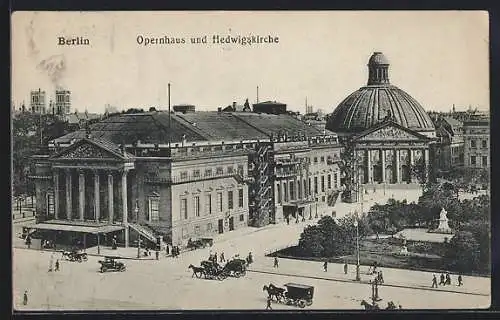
<point>168,284</point>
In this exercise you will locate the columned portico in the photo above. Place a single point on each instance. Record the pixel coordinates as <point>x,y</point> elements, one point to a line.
<point>398,169</point>
<point>124,205</point>
<point>110,198</point>
<point>97,199</point>
<point>69,201</point>
<point>382,157</point>
<point>56,194</point>
<point>369,165</point>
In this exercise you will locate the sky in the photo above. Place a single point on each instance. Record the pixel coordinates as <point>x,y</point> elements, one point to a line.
<point>441,58</point>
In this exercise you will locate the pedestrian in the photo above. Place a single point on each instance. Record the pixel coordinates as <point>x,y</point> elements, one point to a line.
<point>325,266</point>
<point>288,220</point>
<point>448,279</point>
<point>222,258</point>
<point>460,280</point>
<point>215,257</point>
<point>28,241</point>
<point>157,255</point>
<point>441,279</point>
<point>57,265</point>
<point>268,307</point>
<point>25,297</point>
<point>167,249</point>
<point>250,258</point>
<point>434,281</point>
<point>51,262</point>
<point>345,268</point>
<point>276,262</point>
<point>380,277</point>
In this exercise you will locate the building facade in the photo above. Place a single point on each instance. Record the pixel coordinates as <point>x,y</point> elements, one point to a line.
<point>179,176</point>
<point>389,131</point>
<point>63,102</point>
<point>477,143</point>
<point>449,148</point>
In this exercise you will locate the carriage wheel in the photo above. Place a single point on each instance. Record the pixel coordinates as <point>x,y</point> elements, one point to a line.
<point>103,269</point>
<point>302,303</point>
<point>237,274</point>
<point>243,272</point>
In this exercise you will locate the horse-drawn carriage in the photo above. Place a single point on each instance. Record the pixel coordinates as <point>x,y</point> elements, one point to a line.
<point>295,294</point>
<point>199,243</point>
<point>212,270</point>
<point>75,255</point>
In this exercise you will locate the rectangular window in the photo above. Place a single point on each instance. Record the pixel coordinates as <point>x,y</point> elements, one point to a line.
<point>184,175</point>
<point>241,170</point>
<point>230,170</point>
<point>335,180</point>
<point>315,185</point>
<point>219,201</point>
<point>242,217</point>
<point>315,159</point>
<point>50,205</point>
<point>485,161</point>
<point>184,212</point>
<point>240,198</point>
<point>197,230</point>
<point>299,190</point>
<point>154,209</point>
<point>329,181</point>
<point>208,172</point>
<point>310,186</point>
<point>322,183</point>
<point>484,144</point>
<point>292,191</point>
<point>323,198</point>
<point>279,192</point>
<point>208,204</point>
<point>473,160</point>
<point>322,159</point>
<point>285,191</point>
<point>196,173</point>
<point>219,171</point>
<point>196,206</point>
<point>473,143</point>
<point>230,200</point>
<point>209,227</point>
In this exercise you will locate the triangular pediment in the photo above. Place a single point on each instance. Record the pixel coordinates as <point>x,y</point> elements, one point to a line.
<point>390,132</point>
<point>86,149</point>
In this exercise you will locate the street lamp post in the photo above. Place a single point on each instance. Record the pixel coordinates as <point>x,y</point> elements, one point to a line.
<point>357,249</point>
<point>138,235</point>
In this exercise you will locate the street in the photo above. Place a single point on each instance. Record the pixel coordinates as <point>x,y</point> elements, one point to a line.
<point>167,284</point>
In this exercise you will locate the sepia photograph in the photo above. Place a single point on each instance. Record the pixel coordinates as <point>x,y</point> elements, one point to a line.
<point>250,160</point>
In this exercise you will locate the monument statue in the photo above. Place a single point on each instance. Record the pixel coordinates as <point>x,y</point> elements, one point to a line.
<point>443,222</point>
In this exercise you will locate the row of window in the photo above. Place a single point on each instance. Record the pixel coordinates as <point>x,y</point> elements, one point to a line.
<point>209,172</point>
<point>208,204</point>
<point>209,228</point>
<point>290,186</point>
<point>484,144</point>
<point>474,161</point>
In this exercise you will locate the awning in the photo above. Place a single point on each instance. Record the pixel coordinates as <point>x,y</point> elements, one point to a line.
<point>76,228</point>
<point>299,204</point>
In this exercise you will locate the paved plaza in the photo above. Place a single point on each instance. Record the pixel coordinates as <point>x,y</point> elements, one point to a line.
<point>167,284</point>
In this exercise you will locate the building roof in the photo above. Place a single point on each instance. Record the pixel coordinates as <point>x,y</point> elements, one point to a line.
<point>372,104</point>
<point>269,102</point>
<point>76,118</point>
<point>153,127</point>
<point>453,122</point>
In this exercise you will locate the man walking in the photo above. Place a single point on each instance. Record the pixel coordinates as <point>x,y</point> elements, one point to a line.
<point>345,268</point>
<point>25,297</point>
<point>57,265</point>
<point>325,266</point>
<point>268,307</point>
<point>434,281</point>
<point>222,258</point>
<point>276,263</point>
<point>441,279</point>
<point>460,280</point>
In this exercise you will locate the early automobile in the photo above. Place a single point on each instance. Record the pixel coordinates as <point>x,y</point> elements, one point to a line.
<point>199,243</point>
<point>75,255</point>
<point>299,294</point>
<point>110,264</point>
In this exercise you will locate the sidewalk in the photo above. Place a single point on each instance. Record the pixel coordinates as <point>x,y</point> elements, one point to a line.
<point>392,277</point>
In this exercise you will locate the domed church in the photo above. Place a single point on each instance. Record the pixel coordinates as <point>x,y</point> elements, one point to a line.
<point>389,129</point>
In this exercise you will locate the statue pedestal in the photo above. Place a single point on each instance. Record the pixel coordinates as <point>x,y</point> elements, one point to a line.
<point>443,223</point>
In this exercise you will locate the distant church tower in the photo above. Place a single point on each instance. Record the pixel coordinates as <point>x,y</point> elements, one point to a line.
<point>37,101</point>
<point>63,102</point>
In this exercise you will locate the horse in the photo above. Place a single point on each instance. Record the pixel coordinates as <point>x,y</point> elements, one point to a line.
<point>369,306</point>
<point>272,290</point>
<point>197,271</point>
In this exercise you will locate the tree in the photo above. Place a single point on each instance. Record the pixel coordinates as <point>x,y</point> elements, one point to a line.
<point>464,252</point>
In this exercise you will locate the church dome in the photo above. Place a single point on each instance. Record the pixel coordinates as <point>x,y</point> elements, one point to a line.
<point>377,102</point>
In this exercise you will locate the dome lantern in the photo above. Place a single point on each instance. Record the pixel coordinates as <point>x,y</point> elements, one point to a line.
<point>378,69</point>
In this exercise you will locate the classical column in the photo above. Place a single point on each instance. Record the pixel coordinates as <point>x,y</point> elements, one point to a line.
<point>56,194</point>
<point>97,199</point>
<point>69,206</point>
<point>124,205</point>
<point>81,198</point>
<point>369,165</point>
<point>426,159</point>
<point>398,170</point>
<point>110,198</point>
<point>382,157</point>
<point>412,163</point>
